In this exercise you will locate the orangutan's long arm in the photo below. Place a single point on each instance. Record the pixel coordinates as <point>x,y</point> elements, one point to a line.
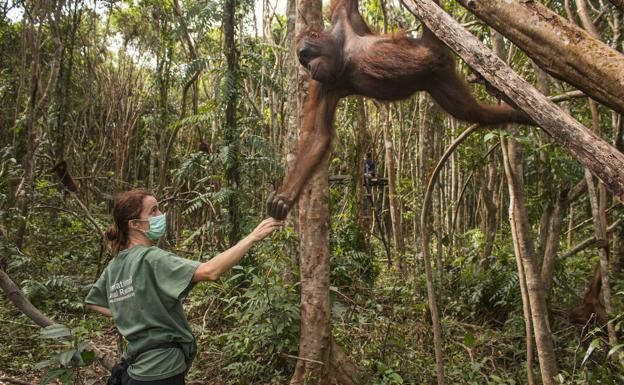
<point>352,12</point>
<point>314,142</point>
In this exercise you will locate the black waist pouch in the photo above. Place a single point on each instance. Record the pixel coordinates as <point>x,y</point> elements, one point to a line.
<point>117,372</point>
<point>119,369</point>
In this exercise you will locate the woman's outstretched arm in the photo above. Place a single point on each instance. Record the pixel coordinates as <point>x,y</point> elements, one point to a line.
<point>213,269</point>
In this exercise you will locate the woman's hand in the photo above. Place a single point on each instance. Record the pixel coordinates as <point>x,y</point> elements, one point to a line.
<point>214,268</point>
<point>265,228</point>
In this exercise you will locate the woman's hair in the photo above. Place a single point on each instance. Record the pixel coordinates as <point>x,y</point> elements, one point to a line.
<point>128,205</point>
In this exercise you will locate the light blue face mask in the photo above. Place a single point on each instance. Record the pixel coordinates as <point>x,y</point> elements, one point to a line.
<point>158,226</point>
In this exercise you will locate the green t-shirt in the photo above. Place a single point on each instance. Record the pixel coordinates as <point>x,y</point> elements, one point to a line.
<point>144,287</point>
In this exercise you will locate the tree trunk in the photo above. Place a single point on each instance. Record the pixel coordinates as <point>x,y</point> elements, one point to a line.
<point>583,61</point>
<point>489,222</point>
<point>395,216</point>
<point>603,253</point>
<point>523,244</point>
<point>526,306</point>
<point>551,243</point>
<point>315,338</point>
<point>589,149</point>
<point>617,256</point>
<point>231,136</point>
<point>163,59</point>
<point>361,212</point>
<point>292,121</point>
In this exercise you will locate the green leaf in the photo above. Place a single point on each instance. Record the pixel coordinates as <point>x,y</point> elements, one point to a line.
<point>66,357</point>
<point>67,378</point>
<point>44,364</point>
<point>469,339</point>
<point>55,331</point>
<point>52,375</point>
<point>614,349</point>
<point>594,344</point>
<point>490,135</point>
<point>87,357</point>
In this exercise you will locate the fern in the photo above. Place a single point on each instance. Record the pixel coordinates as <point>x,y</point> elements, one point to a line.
<point>222,195</point>
<point>196,66</point>
<point>196,204</point>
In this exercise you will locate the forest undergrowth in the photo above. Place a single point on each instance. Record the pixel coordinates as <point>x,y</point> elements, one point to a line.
<point>247,323</point>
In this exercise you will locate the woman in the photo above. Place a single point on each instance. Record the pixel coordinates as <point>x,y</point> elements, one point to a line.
<point>142,288</point>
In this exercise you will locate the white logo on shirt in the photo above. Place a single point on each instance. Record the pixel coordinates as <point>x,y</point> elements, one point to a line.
<point>121,290</point>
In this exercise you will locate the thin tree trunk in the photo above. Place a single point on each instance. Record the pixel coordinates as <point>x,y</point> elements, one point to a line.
<point>361,213</point>
<point>395,218</point>
<point>614,228</point>
<point>162,81</point>
<point>551,243</point>
<point>489,222</point>
<point>526,306</point>
<point>617,256</point>
<point>524,244</point>
<point>231,136</point>
<point>603,253</point>
<point>292,121</point>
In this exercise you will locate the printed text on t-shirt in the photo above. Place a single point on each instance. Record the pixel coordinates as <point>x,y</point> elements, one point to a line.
<point>121,290</point>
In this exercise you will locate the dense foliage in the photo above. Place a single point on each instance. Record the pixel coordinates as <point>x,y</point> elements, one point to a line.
<point>133,93</point>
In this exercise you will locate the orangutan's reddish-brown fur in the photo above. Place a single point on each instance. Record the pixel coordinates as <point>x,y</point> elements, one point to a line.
<point>62,172</point>
<point>349,59</point>
<point>591,308</point>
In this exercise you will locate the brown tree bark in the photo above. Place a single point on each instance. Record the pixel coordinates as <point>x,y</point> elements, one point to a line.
<point>603,253</point>
<point>582,60</point>
<point>361,212</point>
<point>551,242</point>
<point>498,44</point>
<point>315,338</point>
<point>590,150</point>
<point>395,216</point>
<point>526,308</point>
<point>292,119</point>
<point>489,222</point>
<point>617,256</point>
<point>523,244</point>
<point>614,228</point>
